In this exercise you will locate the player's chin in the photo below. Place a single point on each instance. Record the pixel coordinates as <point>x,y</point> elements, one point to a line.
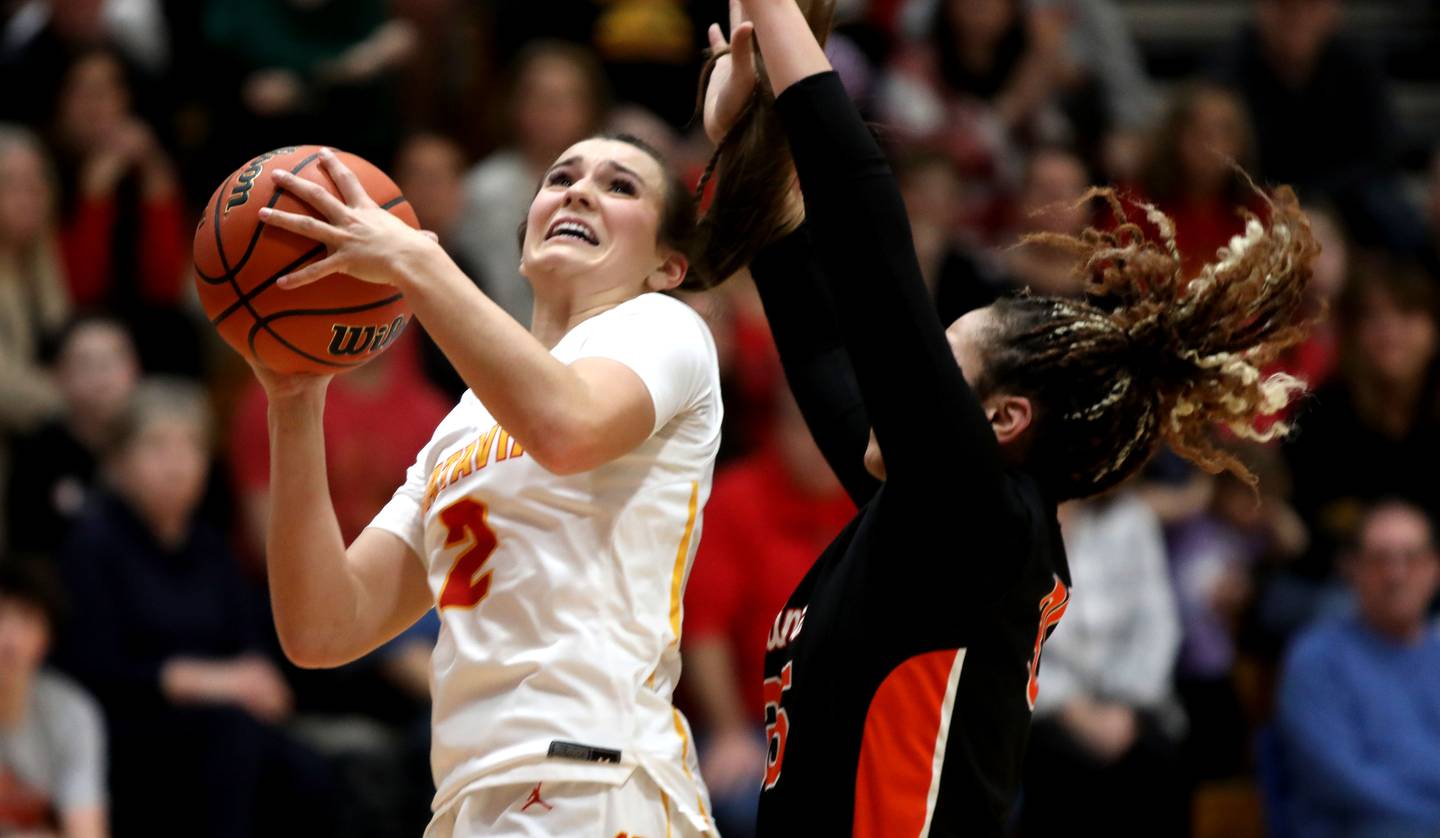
<point>550,264</point>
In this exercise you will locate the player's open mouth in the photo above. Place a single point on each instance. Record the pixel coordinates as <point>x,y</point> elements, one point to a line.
<point>572,228</point>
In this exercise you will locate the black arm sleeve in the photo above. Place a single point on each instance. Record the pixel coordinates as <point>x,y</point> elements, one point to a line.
<point>812,351</point>
<point>930,425</point>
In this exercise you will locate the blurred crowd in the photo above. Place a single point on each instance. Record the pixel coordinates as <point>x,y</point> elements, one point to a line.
<point>1236,661</point>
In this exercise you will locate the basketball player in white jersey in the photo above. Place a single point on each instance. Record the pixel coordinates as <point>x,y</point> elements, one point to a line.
<point>552,518</point>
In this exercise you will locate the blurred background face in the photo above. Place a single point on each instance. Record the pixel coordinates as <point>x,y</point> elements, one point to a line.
<point>933,195</point>
<point>1294,31</point>
<point>162,470</point>
<point>78,19</point>
<point>1213,134</point>
<point>26,196</point>
<point>980,22</point>
<point>1395,571</point>
<point>1333,263</point>
<point>1052,185</point>
<point>1435,194</point>
<point>428,170</point>
<point>93,101</point>
<point>1396,344</point>
<point>24,636</point>
<point>552,107</point>
<point>97,371</point>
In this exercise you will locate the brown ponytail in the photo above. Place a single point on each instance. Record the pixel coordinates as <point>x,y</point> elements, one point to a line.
<point>752,171</point>
<point>1149,355</point>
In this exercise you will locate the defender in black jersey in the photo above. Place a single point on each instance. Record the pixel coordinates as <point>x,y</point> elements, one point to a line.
<point>901,674</point>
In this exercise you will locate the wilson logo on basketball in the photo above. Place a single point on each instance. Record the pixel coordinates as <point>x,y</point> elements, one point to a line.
<point>362,340</point>
<point>240,193</point>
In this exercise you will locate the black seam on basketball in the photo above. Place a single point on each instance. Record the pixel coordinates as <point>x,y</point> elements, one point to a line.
<point>260,225</point>
<point>216,280</point>
<point>273,278</point>
<point>254,235</point>
<point>296,312</point>
<point>269,281</point>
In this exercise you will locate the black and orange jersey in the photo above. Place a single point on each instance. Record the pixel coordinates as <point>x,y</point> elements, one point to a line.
<point>900,676</point>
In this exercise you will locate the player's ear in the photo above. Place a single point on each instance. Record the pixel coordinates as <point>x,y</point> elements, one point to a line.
<point>1010,416</point>
<point>670,273</point>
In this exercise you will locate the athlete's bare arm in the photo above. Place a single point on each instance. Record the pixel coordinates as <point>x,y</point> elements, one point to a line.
<point>786,41</point>
<point>88,822</point>
<point>332,604</point>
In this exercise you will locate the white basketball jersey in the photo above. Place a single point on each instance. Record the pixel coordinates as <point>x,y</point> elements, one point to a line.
<point>560,596</point>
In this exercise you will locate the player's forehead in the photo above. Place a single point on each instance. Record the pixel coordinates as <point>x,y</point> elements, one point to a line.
<point>602,153</point>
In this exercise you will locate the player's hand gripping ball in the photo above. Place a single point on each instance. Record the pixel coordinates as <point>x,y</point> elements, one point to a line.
<point>322,327</point>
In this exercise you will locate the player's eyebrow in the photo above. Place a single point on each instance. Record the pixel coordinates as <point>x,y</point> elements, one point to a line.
<point>576,159</point>
<point>626,170</point>
<point>568,161</point>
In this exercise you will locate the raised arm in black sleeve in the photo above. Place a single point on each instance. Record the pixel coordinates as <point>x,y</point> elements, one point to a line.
<point>931,428</point>
<point>817,365</point>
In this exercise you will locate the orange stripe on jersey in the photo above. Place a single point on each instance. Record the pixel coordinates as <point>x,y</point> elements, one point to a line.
<point>502,448</point>
<point>903,746</point>
<point>677,578</point>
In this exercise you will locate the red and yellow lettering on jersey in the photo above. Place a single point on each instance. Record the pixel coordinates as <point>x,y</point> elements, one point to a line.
<point>470,459</point>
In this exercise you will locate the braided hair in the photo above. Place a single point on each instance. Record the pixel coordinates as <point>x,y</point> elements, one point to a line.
<point>1149,356</point>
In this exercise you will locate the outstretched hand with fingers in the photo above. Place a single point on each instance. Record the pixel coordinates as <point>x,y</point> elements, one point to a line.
<point>363,240</point>
<point>732,81</point>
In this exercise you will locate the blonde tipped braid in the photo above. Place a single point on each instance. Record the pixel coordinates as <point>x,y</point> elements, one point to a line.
<point>1163,357</point>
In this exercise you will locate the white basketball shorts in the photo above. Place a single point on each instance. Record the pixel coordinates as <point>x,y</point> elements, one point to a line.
<point>637,809</point>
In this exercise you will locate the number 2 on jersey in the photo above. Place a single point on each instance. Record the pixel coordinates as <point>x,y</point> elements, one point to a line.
<point>464,520</point>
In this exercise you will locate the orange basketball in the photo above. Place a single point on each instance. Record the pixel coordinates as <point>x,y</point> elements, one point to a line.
<point>327,326</point>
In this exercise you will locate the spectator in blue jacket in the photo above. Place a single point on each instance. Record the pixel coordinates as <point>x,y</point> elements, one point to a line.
<point>1359,706</point>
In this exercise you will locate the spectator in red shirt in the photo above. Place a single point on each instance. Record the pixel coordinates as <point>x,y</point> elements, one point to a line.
<point>1190,175</point>
<point>769,516</point>
<point>123,228</point>
<point>376,418</point>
